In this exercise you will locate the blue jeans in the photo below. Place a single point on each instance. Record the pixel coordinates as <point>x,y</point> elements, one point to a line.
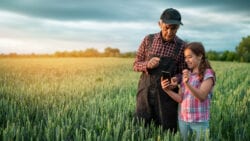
<point>201,129</point>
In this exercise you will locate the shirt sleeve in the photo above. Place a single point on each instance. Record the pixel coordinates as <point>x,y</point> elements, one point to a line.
<point>140,63</point>
<point>209,74</point>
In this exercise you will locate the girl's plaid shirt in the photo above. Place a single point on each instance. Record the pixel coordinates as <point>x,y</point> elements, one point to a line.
<point>191,109</point>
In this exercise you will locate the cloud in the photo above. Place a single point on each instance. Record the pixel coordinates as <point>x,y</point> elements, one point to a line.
<point>63,24</point>
<point>113,10</point>
<point>56,35</point>
<point>230,6</point>
<point>218,31</point>
<point>108,10</point>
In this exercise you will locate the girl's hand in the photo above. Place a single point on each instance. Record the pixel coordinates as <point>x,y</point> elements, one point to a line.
<point>165,84</point>
<point>185,75</point>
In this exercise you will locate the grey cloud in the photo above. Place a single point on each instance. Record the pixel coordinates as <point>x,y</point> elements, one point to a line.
<point>108,10</point>
<point>219,5</point>
<point>112,10</point>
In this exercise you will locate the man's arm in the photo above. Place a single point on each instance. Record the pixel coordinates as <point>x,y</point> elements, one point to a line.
<point>140,63</point>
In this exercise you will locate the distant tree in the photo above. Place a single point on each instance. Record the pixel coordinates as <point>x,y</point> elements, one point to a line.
<point>212,55</point>
<point>128,54</point>
<point>57,54</point>
<point>74,54</point>
<point>111,52</point>
<point>231,56</point>
<point>243,50</point>
<point>13,54</point>
<point>223,56</point>
<point>62,54</point>
<point>228,56</point>
<point>91,52</point>
<point>2,55</point>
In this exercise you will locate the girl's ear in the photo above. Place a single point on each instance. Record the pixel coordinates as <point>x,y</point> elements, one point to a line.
<point>200,57</point>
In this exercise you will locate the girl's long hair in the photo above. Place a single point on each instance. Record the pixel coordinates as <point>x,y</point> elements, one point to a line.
<point>198,49</point>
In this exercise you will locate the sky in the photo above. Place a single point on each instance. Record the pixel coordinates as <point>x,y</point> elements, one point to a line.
<point>47,26</point>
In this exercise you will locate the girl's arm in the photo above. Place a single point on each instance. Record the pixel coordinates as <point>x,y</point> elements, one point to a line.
<point>202,92</point>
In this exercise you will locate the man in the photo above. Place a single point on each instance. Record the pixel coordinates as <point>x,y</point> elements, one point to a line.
<point>159,52</point>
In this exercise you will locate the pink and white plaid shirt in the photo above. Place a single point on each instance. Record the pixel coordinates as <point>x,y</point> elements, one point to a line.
<point>191,109</point>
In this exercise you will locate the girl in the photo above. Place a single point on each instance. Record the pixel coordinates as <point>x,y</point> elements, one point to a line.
<point>195,93</point>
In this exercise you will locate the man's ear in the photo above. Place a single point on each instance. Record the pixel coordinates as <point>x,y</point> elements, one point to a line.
<point>159,23</point>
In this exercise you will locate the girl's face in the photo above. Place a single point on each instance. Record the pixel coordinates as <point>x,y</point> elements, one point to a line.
<point>191,59</point>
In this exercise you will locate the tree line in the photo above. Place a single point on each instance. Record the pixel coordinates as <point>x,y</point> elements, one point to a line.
<point>89,52</point>
<point>241,53</point>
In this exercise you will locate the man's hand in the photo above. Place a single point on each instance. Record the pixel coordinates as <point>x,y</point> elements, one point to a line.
<point>153,63</point>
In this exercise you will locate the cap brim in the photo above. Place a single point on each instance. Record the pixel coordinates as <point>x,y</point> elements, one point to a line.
<point>172,22</point>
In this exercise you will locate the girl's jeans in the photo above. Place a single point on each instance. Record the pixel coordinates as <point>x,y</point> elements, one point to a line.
<point>201,129</point>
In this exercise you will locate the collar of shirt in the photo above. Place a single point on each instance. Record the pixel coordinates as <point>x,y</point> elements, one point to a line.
<point>193,73</point>
<point>159,37</point>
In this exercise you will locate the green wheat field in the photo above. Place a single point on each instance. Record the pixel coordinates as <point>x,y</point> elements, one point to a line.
<point>93,99</point>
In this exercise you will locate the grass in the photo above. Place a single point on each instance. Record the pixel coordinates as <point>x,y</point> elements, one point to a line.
<point>94,99</point>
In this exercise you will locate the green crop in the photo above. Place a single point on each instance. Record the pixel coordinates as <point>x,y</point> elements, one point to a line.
<point>93,99</point>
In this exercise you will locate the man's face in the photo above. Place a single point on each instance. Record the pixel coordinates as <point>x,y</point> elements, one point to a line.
<point>168,30</point>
